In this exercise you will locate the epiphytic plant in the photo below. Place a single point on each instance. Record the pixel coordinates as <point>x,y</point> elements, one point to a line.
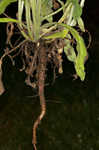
<point>44,41</point>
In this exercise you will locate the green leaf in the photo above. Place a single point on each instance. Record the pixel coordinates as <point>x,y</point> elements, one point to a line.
<point>2,20</point>
<point>80,61</point>
<point>81,24</point>
<point>28,19</point>
<point>81,52</point>
<point>61,34</point>
<point>46,6</point>
<point>20,11</point>
<point>69,51</point>
<point>4,4</point>
<point>77,9</point>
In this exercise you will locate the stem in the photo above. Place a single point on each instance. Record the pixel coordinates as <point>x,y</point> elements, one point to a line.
<point>41,82</point>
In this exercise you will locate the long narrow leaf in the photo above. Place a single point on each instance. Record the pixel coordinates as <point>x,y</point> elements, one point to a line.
<point>34,13</point>
<point>60,34</point>
<point>4,4</point>
<point>2,20</point>
<point>20,11</point>
<point>38,17</point>
<point>28,19</point>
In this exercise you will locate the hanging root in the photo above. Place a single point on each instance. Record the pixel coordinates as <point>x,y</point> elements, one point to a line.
<point>2,89</point>
<point>34,56</point>
<point>41,82</point>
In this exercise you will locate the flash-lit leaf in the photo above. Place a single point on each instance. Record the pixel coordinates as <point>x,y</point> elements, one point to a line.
<point>69,51</point>
<point>60,34</point>
<point>2,20</point>
<point>4,4</point>
<point>80,61</point>
<point>77,9</point>
<point>81,24</point>
<point>46,9</point>
<point>81,52</point>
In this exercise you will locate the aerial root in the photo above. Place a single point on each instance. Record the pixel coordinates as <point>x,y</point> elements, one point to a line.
<point>37,122</point>
<point>2,89</point>
<point>41,82</point>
